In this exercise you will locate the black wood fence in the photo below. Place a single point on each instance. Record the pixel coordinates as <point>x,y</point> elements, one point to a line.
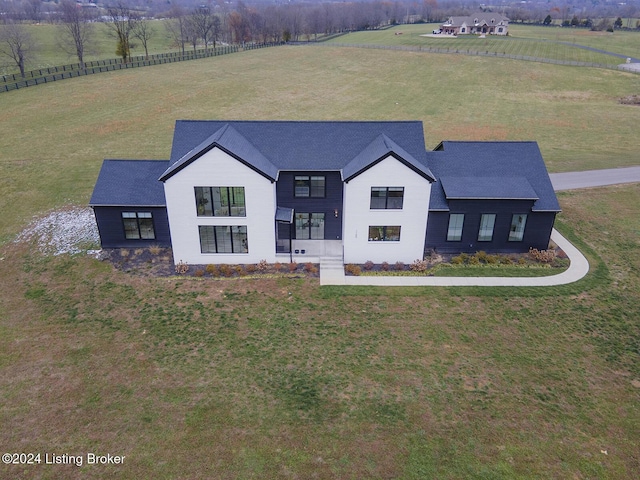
<point>53,74</point>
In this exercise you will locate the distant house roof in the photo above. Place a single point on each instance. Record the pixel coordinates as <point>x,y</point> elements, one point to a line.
<point>130,183</point>
<point>484,18</point>
<point>272,146</point>
<point>491,170</point>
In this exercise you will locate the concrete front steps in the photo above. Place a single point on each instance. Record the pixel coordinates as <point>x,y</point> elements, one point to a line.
<point>332,270</point>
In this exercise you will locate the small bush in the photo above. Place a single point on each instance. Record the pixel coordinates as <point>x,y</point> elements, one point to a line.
<point>457,260</point>
<point>155,250</point>
<point>399,266</point>
<point>124,253</point>
<point>505,260</point>
<point>493,259</point>
<point>138,251</point>
<point>368,265</point>
<point>522,261</point>
<point>419,266</point>
<point>310,268</point>
<point>251,268</point>
<point>199,273</point>
<point>263,266</point>
<point>212,269</point>
<point>293,266</point>
<point>240,271</point>
<point>481,256</point>
<point>181,268</point>
<point>225,270</point>
<point>352,269</point>
<point>474,260</point>
<point>460,259</point>
<point>277,266</point>
<point>385,266</point>
<point>542,256</point>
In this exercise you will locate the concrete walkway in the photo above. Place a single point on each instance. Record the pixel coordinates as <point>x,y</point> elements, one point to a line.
<point>332,273</point>
<point>332,268</point>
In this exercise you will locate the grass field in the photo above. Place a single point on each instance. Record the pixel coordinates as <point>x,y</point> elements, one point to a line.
<point>49,50</point>
<point>280,378</point>
<point>574,114</point>
<point>561,44</point>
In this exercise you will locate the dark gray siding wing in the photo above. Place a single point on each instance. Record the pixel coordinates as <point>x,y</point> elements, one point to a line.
<point>111,227</point>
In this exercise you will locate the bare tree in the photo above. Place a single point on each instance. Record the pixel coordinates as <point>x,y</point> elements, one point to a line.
<point>16,44</point>
<point>76,30</point>
<point>206,25</point>
<point>191,32</point>
<point>33,10</point>
<point>122,22</point>
<point>176,25</point>
<point>144,31</point>
<point>274,23</point>
<point>313,23</point>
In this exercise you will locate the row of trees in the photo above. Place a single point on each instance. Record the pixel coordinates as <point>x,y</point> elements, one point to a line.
<point>205,24</point>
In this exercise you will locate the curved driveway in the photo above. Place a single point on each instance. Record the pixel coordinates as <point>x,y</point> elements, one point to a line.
<point>332,271</point>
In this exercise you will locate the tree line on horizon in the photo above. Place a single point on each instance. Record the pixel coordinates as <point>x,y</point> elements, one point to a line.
<point>193,24</point>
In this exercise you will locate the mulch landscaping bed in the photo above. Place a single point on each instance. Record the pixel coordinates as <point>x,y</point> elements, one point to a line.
<point>159,262</point>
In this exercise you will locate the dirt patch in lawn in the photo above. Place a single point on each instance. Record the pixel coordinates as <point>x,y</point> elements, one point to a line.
<point>630,100</point>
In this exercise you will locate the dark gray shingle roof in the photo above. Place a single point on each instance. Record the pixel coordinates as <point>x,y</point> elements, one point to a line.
<point>130,183</point>
<point>501,162</point>
<point>228,139</point>
<point>379,149</point>
<point>497,188</point>
<point>293,145</point>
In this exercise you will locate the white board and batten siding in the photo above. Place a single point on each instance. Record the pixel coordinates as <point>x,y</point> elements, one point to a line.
<point>412,218</point>
<point>218,169</point>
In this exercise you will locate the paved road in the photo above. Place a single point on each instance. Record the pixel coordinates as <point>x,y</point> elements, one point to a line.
<point>594,178</point>
<point>584,47</point>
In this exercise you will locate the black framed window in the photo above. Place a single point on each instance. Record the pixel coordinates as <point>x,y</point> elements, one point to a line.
<point>220,202</point>
<point>389,198</point>
<point>384,234</point>
<point>309,186</point>
<point>516,231</point>
<point>310,226</point>
<point>487,221</point>
<point>223,239</point>
<point>138,226</point>
<point>456,221</point>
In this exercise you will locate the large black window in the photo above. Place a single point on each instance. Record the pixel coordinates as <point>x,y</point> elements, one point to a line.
<point>310,226</point>
<point>220,201</point>
<point>138,226</point>
<point>387,198</point>
<point>223,239</point>
<point>487,221</point>
<point>456,221</point>
<point>516,231</point>
<point>309,186</point>
<point>384,234</point>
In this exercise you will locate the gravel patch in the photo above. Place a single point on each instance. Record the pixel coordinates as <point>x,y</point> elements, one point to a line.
<point>72,230</point>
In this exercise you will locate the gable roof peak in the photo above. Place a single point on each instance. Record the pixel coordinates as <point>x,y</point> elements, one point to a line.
<point>381,147</point>
<point>229,140</point>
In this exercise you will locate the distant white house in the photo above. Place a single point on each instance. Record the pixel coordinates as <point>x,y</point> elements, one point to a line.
<point>481,23</point>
